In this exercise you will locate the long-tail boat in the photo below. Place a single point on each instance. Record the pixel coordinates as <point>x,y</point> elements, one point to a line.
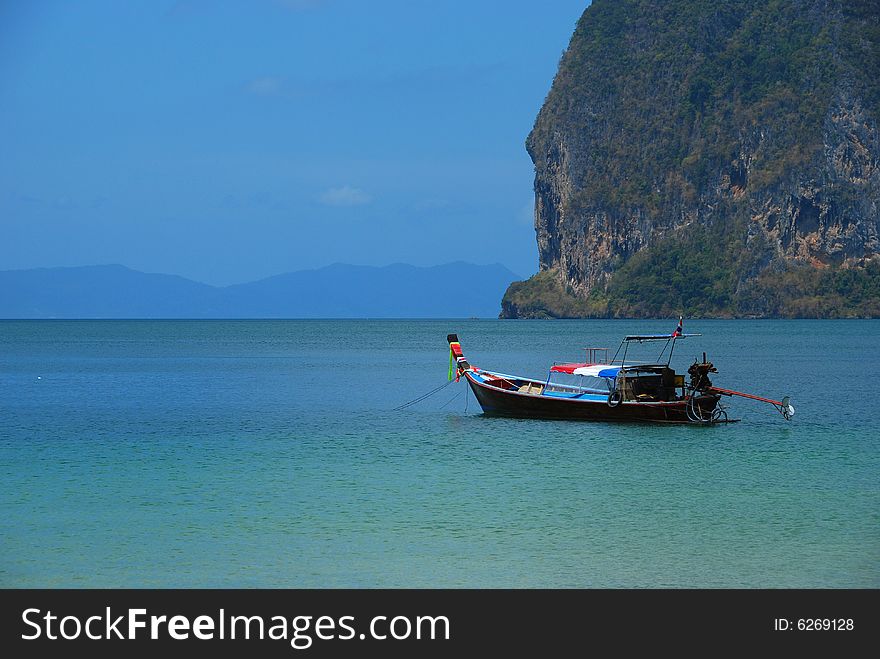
<point>606,390</point>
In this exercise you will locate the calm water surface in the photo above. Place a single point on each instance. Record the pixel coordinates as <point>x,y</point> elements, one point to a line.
<point>266,453</point>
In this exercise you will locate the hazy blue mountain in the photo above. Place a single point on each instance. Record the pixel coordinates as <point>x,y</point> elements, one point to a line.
<point>101,291</point>
<point>453,290</point>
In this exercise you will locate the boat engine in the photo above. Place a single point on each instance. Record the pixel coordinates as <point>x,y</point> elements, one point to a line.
<point>699,373</point>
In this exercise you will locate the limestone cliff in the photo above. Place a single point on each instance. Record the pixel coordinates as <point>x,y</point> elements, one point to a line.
<point>710,158</point>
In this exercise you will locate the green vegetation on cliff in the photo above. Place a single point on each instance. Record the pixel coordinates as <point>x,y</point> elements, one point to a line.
<point>641,291</point>
<point>542,296</point>
<point>685,79</point>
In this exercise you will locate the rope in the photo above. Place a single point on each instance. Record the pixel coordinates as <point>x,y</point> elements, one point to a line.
<point>423,397</point>
<point>450,400</point>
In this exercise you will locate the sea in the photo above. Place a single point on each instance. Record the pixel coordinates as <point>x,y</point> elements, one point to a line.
<point>277,454</point>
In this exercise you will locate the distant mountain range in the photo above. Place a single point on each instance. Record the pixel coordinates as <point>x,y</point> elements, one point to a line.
<point>453,290</point>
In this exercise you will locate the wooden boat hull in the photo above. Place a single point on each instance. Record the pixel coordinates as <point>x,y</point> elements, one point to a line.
<point>504,402</point>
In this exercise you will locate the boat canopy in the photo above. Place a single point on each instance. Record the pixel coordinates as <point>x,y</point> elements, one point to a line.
<point>657,337</point>
<point>596,370</point>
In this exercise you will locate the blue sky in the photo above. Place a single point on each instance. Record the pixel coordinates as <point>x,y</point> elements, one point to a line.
<point>227,141</point>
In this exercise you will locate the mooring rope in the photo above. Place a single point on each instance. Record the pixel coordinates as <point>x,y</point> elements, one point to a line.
<point>443,406</point>
<point>423,396</point>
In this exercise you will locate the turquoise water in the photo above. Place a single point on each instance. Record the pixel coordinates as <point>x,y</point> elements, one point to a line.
<point>266,453</point>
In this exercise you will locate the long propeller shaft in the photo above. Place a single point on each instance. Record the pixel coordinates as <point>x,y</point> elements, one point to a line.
<point>731,392</point>
<point>784,406</point>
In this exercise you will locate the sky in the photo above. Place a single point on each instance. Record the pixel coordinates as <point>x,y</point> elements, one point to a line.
<point>226,141</point>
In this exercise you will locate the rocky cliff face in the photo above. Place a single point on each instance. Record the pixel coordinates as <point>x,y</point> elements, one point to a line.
<point>715,160</point>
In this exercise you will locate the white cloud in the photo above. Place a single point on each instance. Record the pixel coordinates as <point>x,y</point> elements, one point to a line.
<point>431,204</point>
<point>265,86</point>
<point>345,196</point>
<point>299,5</point>
<point>185,8</point>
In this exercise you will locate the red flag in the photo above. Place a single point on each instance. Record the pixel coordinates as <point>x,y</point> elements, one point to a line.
<point>678,330</point>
